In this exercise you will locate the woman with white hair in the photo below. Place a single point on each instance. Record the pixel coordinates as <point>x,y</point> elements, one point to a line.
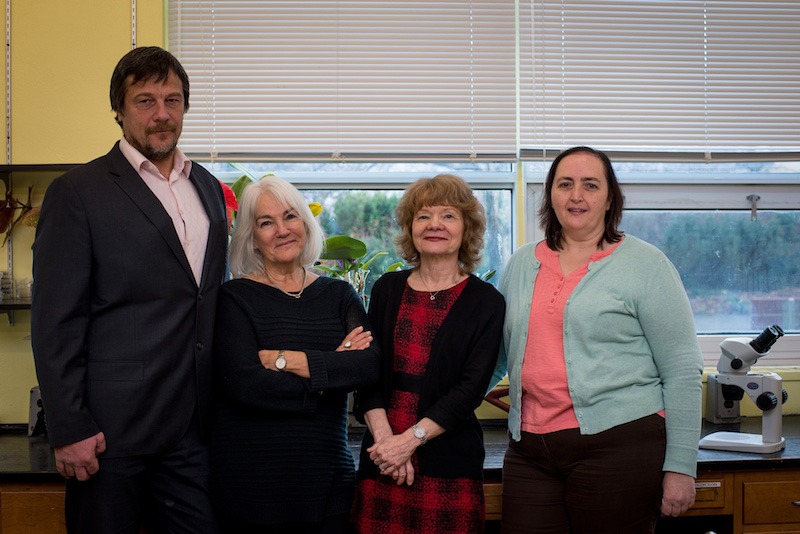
<point>289,346</point>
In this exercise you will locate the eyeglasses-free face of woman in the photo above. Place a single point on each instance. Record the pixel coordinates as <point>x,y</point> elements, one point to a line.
<point>580,196</point>
<point>438,231</point>
<point>280,234</point>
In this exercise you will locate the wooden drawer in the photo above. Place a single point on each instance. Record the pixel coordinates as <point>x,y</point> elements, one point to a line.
<point>714,494</point>
<point>493,491</point>
<point>32,509</point>
<point>770,502</point>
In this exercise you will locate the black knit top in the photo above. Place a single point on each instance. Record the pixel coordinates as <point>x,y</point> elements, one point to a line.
<point>279,442</point>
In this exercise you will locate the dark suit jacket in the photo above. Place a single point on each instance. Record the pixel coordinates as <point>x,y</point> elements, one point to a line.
<point>121,333</point>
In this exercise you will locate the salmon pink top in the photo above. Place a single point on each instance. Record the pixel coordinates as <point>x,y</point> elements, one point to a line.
<point>546,402</point>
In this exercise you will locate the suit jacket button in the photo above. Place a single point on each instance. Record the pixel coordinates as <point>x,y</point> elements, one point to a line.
<point>199,346</point>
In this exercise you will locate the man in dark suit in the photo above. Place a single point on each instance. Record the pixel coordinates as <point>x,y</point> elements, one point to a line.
<point>129,254</point>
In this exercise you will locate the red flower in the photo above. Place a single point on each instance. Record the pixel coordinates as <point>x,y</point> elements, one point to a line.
<point>231,204</point>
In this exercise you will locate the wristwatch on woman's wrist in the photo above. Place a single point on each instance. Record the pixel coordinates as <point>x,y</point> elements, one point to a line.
<point>420,433</point>
<point>280,363</point>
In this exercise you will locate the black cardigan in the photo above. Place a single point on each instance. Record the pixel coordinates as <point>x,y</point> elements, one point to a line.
<point>463,356</point>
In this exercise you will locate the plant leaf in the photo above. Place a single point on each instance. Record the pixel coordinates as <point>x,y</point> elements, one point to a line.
<point>375,256</point>
<point>394,267</point>
<point>342,247</point>
<point>488,275</point>
<point>242,169</point>
<point>239,185</point>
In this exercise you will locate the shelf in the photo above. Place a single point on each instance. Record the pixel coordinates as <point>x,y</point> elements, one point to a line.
<point>15,304</point>
<point>30,174</point>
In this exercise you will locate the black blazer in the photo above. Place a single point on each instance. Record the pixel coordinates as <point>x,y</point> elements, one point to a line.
<point>121,333</point>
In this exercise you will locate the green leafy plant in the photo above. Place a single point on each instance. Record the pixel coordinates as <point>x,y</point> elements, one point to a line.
<point>346,254</point>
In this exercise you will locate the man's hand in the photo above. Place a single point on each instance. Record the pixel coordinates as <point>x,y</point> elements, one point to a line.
<point>79,459</point>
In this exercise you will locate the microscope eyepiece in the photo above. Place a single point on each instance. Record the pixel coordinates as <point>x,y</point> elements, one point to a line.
<point>766,339</point>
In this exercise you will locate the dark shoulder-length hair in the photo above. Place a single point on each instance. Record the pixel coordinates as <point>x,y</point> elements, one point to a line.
<point>442,190</point>
<point>547,216</point>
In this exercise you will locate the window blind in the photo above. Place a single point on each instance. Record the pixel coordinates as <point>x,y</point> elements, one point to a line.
<point>347,80</point>
<point>709,77</point>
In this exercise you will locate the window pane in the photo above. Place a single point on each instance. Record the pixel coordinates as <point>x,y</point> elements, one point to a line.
<point>741,275</point>
<point>370,216</point>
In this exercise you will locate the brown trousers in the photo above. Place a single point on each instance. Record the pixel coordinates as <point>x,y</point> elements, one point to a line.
<point>566,483</point>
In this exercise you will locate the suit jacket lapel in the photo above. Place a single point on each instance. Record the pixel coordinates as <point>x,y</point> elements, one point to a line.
<point>214,210</point>
<point>132,184</point>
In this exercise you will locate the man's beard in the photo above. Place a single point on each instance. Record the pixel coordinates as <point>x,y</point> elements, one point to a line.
<point>151,152</point>
<point>154,154</point>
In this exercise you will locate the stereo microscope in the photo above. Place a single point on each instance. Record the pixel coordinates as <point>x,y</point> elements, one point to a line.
<point>727,387</point>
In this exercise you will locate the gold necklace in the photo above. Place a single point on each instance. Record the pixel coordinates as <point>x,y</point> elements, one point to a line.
<point>293,295</point>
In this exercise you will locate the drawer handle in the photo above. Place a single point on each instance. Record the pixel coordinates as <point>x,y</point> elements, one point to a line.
<point>796,503</point>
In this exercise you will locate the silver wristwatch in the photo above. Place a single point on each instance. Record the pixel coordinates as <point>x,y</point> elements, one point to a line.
<point>420,433</point>
<point>280,363</point>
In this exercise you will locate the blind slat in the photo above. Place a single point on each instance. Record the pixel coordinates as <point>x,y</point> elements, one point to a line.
<point>453,77</point>
<point>714,76</point>
<point>347,77</point>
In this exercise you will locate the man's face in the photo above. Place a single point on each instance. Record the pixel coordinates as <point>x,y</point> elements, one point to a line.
<point>152,116</point>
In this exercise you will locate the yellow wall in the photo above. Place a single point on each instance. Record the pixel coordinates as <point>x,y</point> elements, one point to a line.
<point>62,57</point>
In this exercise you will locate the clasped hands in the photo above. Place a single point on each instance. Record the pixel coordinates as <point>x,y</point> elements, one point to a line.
<point>392,454</point>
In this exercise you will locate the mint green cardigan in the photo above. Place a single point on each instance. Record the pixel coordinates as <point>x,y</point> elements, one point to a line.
<point>629,341</point>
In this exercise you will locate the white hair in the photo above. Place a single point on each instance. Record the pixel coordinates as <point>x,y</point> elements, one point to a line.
<point>245,258</point>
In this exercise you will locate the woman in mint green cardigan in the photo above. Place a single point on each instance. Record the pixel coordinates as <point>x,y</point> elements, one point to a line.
<point>604,367</point>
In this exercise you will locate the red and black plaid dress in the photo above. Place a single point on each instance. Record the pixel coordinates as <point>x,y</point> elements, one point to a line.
<point>430,505</point>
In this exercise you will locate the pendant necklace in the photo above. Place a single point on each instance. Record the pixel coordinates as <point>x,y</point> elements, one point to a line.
<point>431,293</point>
<point>293,295</point>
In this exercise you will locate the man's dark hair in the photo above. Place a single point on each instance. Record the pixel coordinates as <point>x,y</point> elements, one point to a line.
<point>143,64</point>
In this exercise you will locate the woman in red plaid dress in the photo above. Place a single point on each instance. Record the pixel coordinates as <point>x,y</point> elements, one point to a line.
<point>439,327</point>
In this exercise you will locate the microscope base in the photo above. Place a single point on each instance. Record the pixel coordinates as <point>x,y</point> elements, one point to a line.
<point>740,442</point>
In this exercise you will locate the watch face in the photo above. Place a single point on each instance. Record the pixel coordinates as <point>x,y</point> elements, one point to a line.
<point>419,432</point>
<point>280,363</point>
